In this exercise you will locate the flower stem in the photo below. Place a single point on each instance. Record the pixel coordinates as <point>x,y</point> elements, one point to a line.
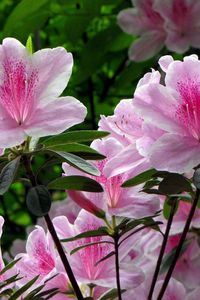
<point>162,250</point>
<point>179,247</point>
<point>53,233</point>
<point>117,266</point>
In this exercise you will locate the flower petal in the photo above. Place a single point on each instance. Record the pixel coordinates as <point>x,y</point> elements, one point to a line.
<point>56,117</point>
<point>175,153</point>
<point>54,67</point>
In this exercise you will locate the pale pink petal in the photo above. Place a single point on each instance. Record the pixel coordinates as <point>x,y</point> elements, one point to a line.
<point>146,46</point>
<point>175,153</point>
<point>159,113</point>
<point>54,67</point>
<point>128,159</point>
<point>12,137</point>
<point>175,290</point>
<point>150,77</point>
<point>165,61</point>
<point>56,117</point>
<point>13,48</point>
<point>130,21</point>
<point>136,205</point>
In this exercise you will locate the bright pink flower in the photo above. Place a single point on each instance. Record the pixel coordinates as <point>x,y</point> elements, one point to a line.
<point>145,21</point>
<point>127,202</point>
<point>29,90</point>
<point>174,108</point>
<point>84,261</point>
<point>41,259</point>
<point>181,23</point>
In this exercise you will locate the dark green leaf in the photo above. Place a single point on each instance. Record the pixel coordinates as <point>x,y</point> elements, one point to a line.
<point>167,207</point>
<point>38,200</point>
<point>102,231</point>
<point>8,174</point>
<point>74,137</point>
<point>9,266</point>
<point>23,289</point>
<point>27,17</point>
<point>88,245</point>
<point>77,149</point>
<point>174,184</point>
<point>196,178</point>
<point>105,257</point>
<point>111,295</point>
<point>78,183</point>
<point>77,162</point>
<point>141,178</point>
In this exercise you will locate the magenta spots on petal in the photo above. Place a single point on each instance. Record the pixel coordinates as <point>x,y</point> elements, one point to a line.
<point>45,261</point>
<point>188,112</point>
<point>17,91</point>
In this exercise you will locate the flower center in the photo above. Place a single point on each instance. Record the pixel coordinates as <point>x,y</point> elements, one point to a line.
<point>92,254</point>
<point>17,91</point>
<point>188,113</point>
<point>112,186</point>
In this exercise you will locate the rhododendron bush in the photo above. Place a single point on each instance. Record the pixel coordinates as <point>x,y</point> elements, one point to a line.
<point>108,209</point>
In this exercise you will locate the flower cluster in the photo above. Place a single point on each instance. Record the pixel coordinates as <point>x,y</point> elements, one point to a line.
<point>113,237</point>
<point>161,23</point>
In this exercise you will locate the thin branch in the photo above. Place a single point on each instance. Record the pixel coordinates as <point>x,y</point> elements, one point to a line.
<point>162,250</point>
<point>180,245</point>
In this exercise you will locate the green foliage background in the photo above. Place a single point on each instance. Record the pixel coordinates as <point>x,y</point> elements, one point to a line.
<point>102,73</point>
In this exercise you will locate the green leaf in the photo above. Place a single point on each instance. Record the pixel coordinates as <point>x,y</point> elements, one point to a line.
<point>167,260</point>
<point>111,295</point>
<point>29,45</point>
<point>77,162</point>
<point>8,174</point>
<point>167,207</point>
<point>74,137</point>
<point>196,178</point>
<point>31,295</point>
<point>77,149</point>
<point>9,266</point>
<point>27,17</point>
<point>173,184</point>
<point>141,178</point>
<point>99,44</point>
<point>23,289</point>
<point>78,183</point>
<point>88,245</point>
<point>101,231</point>
<point>38,200</point>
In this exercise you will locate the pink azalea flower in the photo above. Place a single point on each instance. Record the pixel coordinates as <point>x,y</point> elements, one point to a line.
<point>133,132</point>
<point>181,23</point>
<point>84,261</point>
<point>127,202</point>
<point>41,259</point>
<point>188,265</point>
<point>143,20</point>
<point>175,109</point>
<point>29,90</point>
<point>175,290</point>
<point>181,217</point>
